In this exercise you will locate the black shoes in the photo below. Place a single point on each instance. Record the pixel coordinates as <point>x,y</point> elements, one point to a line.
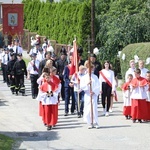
<point>49,128</point>
<point>134,120</point>
<point>34,96</point>
<point>45,124</point>
<point>139,120</point>
<point>23,94</point>
<point>128,117</point>
<point>79,116</point>
<point>72,113</point>
<point>66,114</point>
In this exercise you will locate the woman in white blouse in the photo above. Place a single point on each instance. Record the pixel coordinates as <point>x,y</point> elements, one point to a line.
<point>107,86</point>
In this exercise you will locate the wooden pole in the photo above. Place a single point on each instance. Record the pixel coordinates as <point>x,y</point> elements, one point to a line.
<point>92,25</point>
<point>89,64</point>
<point>76,71</point>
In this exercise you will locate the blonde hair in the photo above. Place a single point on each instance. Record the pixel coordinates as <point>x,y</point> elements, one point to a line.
<point>141,61</point>
<point>82,67</point>
<point>131,61</point>
<point>86,63</point>
<point>49,62</point>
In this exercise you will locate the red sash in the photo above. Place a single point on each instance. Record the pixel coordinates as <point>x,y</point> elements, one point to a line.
<point>105,79</point>
<point>108,82</point>
<point>34,66</point>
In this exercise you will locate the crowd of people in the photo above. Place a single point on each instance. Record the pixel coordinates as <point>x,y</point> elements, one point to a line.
<point>136,93</point>
<point>52,79</point>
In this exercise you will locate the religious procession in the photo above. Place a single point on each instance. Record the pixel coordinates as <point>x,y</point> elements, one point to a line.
<point>81,84</point>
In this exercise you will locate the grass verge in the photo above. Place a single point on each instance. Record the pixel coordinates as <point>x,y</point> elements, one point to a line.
<point>27,60</point>
<point>6,142</point>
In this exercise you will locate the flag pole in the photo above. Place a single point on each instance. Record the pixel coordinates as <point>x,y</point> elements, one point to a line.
<point>76,71</point>
<point>89,64</point>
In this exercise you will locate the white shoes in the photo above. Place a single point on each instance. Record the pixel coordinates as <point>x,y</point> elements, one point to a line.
<point>110,110</point>
<point>107,114</point>
<point>97,126</point>
<point>104,111</point>
<point>90,126</point>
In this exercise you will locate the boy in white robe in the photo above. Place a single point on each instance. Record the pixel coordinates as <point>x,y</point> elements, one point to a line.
<point>130,70</point>
<point>85,82</point>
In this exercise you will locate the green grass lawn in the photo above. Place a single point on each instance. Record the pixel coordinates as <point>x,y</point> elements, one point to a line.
<point>119,89</point>
<point>26,60</point>
<point>6,142</point>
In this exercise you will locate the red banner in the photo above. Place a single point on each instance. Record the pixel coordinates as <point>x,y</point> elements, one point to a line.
<point>12,19</point>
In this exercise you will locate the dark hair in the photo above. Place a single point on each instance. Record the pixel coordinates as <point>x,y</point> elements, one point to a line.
<point>46,70</point>
<point>106,61</point>
<point>63,50</point>
<point>80,50</point>
<point>148,71</point>
<point>137,70</point>
<point>48,53</point>
<point>46,74</point>
<point>130,75</point>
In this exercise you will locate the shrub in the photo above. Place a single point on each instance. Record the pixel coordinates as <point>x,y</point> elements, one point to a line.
<point>142,50</point>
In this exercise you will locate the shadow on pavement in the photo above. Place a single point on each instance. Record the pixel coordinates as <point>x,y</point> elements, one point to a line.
<point>3,102</point>
<point>121,126</point>
<point>21,137</point>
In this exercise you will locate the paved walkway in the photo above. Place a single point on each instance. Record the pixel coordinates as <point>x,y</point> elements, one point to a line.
<point>19,119</point>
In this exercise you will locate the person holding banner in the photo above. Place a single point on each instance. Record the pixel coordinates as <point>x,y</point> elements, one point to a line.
<point>68,87</point>
<point>89,80</point>
<point>107,86</point>
<point>32,69</point>
<point>78,93</point>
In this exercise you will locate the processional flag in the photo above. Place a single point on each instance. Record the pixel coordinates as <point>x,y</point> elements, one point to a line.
<point>74,63</point>
<point>12,19</point>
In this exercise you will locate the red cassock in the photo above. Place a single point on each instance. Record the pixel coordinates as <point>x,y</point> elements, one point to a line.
<point>49,112</point>
<point>41,107</point>
<point>126,108</point>
<point>148,103</point>
<point>139,104</point>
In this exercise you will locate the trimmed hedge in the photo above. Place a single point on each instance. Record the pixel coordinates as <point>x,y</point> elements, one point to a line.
<point>59,21</point>
<point>142,50</point>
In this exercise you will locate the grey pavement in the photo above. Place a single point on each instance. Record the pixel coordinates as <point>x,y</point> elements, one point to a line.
<point>19,119</point>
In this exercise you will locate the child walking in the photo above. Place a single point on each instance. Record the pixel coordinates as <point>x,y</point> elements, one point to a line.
<point>126,88</point>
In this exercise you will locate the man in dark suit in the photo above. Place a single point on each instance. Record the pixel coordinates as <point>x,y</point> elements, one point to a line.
<point>68,89</point>
<point>60,65</point>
